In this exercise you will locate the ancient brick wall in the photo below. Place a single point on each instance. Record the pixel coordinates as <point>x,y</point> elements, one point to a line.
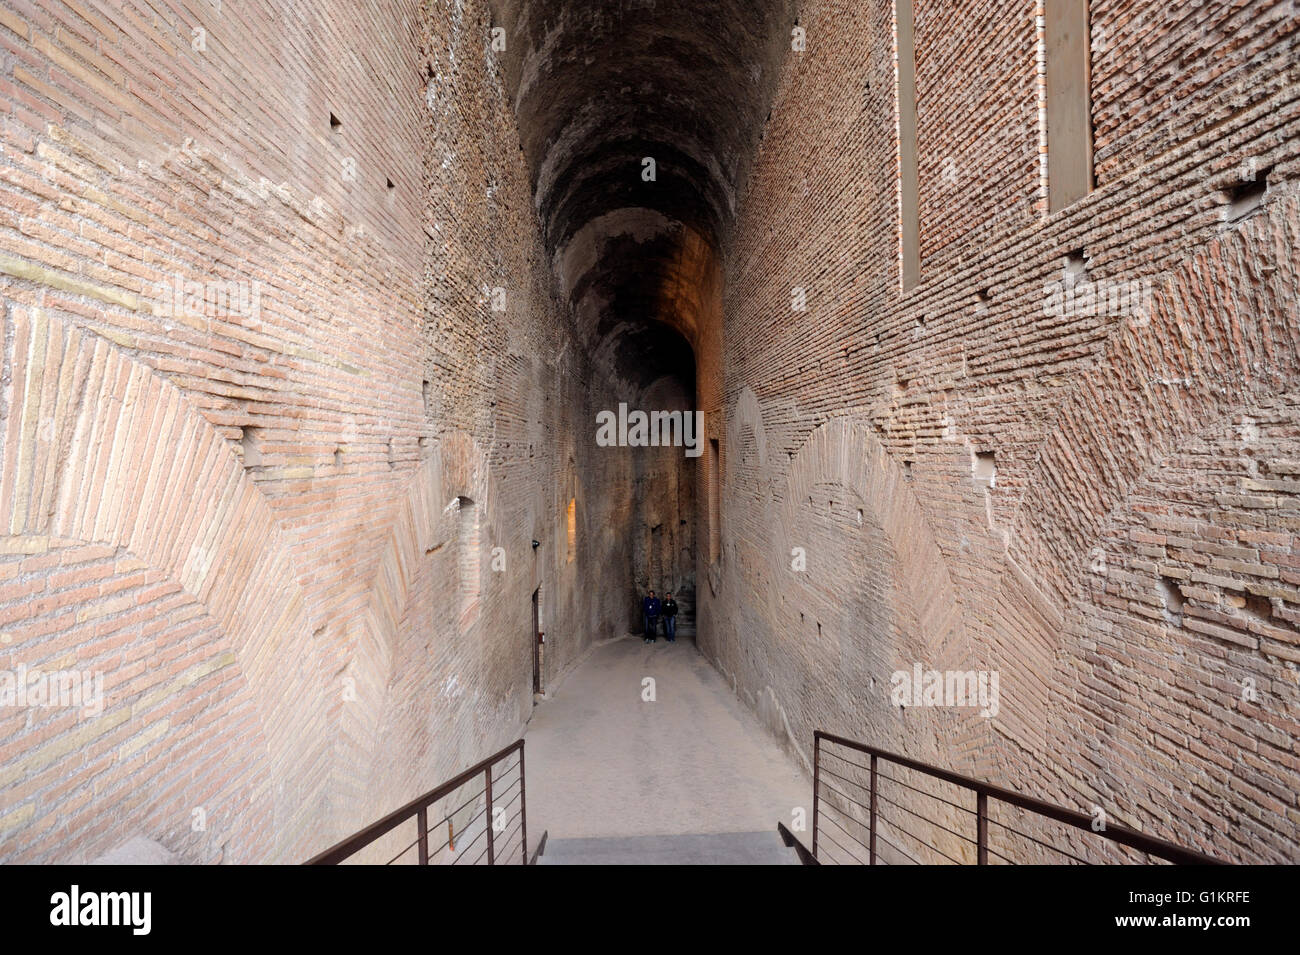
<point>290,384</point>
<point>1091,497</point>
<point>287,516</point>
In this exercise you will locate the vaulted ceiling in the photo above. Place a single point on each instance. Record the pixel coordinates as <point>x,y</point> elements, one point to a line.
<point>600,86</point>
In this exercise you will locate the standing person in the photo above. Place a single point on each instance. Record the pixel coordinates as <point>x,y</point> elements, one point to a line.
<point>650,608</point>
<point>670,618</point>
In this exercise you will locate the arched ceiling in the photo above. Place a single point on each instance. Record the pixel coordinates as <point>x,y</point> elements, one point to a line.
<point>598,86</point>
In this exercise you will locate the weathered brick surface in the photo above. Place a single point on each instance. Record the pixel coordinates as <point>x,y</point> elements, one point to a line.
<point>299,623</point>
<point>171,720</point>
<point>302,533</point>
<point>1152,445</point>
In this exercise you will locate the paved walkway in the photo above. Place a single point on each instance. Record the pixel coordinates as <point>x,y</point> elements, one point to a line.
<point>727,848</point>
<point>602,762</point>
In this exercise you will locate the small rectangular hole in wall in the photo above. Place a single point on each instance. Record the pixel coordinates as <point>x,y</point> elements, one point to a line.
<point>985,468</point>
<point>1258,606</point>
<point>1076,266</point>
<point>907,470</point>
<point>251,442</point>
<point>1248,196</point>
<point>338,457</point>
<point>426,391</point>
<point>1172,597</point>
<point>392,458</point>
<point>390,184</point>
<point>335,123</point>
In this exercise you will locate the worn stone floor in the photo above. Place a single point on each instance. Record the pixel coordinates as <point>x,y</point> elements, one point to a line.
<point>604,762</point>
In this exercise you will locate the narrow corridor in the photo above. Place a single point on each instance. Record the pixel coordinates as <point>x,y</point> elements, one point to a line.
<point>604,762</point>
<point>361,375</point>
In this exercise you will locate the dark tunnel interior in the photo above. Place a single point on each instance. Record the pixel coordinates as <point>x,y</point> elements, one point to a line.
<point>638,120</point>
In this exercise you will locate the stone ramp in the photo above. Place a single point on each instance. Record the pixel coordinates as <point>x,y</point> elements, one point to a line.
<point>604,762</point>
<point>709,848</point>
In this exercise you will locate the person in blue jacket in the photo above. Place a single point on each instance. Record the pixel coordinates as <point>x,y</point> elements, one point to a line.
<point>650,610</point>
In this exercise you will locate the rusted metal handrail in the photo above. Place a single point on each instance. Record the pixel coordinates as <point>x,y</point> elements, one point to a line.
<point>792,842</point>
<point>418,809</point>
<point>984,792</point>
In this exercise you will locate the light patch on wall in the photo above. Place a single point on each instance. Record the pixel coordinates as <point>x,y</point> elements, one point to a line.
<point>467,559</point>
<point>572,523</point>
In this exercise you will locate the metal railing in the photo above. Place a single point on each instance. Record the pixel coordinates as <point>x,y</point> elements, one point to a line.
<point>890,809</point>
<point>475,825</point>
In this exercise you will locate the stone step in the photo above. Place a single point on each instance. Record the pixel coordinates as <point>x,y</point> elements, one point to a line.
<point>705,848</point>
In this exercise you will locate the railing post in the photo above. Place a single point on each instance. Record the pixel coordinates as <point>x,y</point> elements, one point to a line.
<point>523,806</point>
<point>422,821</point>
<point>982,828</point>
<point>487,773</point>
<point>872,848</point>
<point>817,763</point>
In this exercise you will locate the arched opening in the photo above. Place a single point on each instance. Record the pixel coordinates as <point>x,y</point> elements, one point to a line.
<point>660,368</point>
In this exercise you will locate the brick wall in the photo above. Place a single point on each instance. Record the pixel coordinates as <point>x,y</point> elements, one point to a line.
<point>1134,449</point>
<point>251,511</point>
<point>235,507</point>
